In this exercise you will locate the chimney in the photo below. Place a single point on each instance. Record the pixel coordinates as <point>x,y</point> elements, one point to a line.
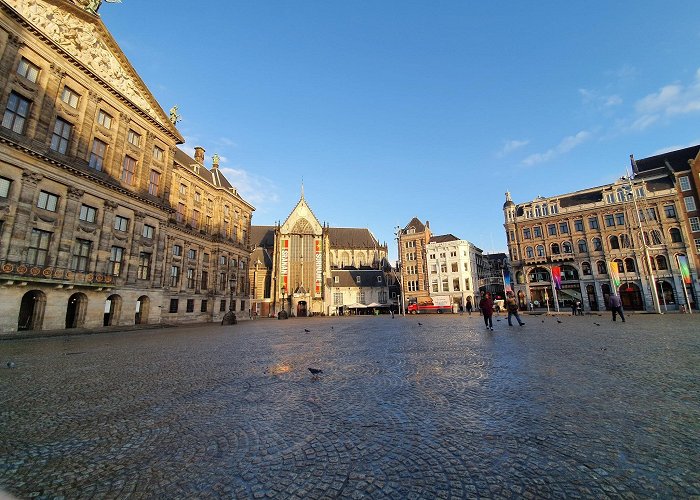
<point>199,155</point>
<point>427,224</point>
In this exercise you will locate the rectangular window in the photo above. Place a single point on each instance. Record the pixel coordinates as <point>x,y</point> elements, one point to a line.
<point>412,286</point>
<point>121,223</point>
<point>203,306</point>
<point>578,225</point>
<point>148,231</point>
<point>174,303</point>
<point>97,155</point>
<point>177,250</point>
<point>38,247</point>
<point>128,170</point>
<point>466,283</point>
<point>537,230</point>
<point>552,229</point>
<point>222,305</point>
<point>4,187</point>
<point>455,284</point>
<point>70,97</point>
<point>670,211</point>
<point>685,183</point>
<point>104,119</point>
<point>205,258</point>
<point>191,254</point>
<point>609,220</point>
<point>116,255</point>
<point>47,201</point>
<point>694,224</point>
<point>222,260</point>
<point>564,227</point>
<point>689,204</point>
<point>180,215</point>
<point>197,197</point>
<point>620,219</point>
<point>88,213</point>
<point>153,182</point>
<point>195,219</point>
<point>190,305</point>
<point>242,305</point>
<point>204,282</point>
<point>134,138</point>
<point>697,245</point>
<point>183,189</point>
<point>28,70</point>
<point>190,278</point>
<point>144,272</point>
<point>337,298</point>
<point>81,255</point>
<point>61,135</point>
<point>16,113</point>
<point>593,223</point>
<point>526,233</point>
<point>158,153</point>
<point>174,275</point>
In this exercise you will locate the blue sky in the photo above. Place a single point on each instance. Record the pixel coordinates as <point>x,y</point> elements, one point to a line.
<point>389,110</point>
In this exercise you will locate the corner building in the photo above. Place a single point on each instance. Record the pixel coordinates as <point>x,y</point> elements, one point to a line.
<point>636,223</point>
<point>89,201</point>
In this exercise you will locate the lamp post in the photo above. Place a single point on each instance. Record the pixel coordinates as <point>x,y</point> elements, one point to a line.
<point>232,285</point>
<point>399,268</point>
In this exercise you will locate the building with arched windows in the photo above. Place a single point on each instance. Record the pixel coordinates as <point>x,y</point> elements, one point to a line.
<point>635,223</point>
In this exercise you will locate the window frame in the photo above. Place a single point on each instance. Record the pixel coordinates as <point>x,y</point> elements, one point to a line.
<point>16,114</point>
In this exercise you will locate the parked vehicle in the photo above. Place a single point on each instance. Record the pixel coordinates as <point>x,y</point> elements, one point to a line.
<point>437,305</point>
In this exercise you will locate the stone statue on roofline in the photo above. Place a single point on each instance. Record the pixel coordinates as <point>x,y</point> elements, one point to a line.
<point>92,6</point>
<point>174,116</point>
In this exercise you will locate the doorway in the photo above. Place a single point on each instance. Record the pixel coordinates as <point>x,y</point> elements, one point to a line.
<point>301,309</point>
<point>31,311</point>
<point>75,311</point>
<point>113,308</point>
<point>142,309</point>
<point>631,297</point>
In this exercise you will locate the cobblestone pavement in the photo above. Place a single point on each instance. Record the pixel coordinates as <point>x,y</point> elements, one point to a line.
<point>402,410</point>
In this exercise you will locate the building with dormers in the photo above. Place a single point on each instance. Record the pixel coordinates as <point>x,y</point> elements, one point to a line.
<point>291,263</point>
<point>90,187</point>
<point>636,222</point>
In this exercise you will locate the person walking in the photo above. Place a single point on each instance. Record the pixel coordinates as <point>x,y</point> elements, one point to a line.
<point>469,305</point>
<point>512,307</point>
<point>486,306</point>
<point>616,307</point>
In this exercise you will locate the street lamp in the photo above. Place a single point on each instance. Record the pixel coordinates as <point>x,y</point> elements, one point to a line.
<point>232,283</point>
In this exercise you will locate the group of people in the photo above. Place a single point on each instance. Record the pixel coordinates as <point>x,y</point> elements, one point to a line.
<point>487,308</point>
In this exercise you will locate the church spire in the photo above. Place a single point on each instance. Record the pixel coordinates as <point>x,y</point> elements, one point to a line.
<point>302,188</point>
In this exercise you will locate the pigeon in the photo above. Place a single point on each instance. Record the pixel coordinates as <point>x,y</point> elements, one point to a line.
<point>558,321</point>
<point>11,364</point>
<point>306,330</point>
<point>542,321</point>
<point>596,324</point>
<point>420,324</point>
<point>498,320</point>
<point>315,373</point>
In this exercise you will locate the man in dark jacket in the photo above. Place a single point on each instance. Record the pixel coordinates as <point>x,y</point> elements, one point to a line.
<point>486,306</point>
<point>616,307</point>
<point>512,307</point>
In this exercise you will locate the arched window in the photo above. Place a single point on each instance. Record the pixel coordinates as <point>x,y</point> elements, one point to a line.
<point>530,253</point>
<point>625,241</point>
<point>655,237</point>
<point>630,266</point>
<point>586,267</point>
<point>602,268</point>
<point>538,274</point>
<point>569,273</point>
<point>566,247</point>
<point>675,235</point>
<point>582,246</point>
<point>614,243</point>
<point>597,244</point>
<point>661,263</point>
<point>555,249</point>
<point>620,265</point>
<point>540,250</point>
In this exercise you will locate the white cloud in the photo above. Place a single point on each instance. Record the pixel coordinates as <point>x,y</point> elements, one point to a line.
<point>259,191</point>
<point>565,145</point>
<point>511,146</point>
<point>605,101</point>
<point>670,100</point>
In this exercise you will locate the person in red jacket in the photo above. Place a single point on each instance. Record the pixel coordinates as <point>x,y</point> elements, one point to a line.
<point>486,306</point>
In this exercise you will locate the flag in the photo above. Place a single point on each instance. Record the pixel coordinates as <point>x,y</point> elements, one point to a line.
<point>506,281</point>
<point>614,275</point>
<point>556,277</point>
<point>685,268</point>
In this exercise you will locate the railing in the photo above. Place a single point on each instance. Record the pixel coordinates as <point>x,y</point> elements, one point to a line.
<point>18,270</point>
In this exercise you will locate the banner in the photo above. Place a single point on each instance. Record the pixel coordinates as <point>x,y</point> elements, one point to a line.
<point>685,268</point>
<point>319,265</point>
<point>556,277</point>
<point>284,266</point>
<point>506,281</point>
<point>614,275</point>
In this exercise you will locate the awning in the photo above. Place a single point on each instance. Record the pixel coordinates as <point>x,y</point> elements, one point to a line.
<point>377,304</point>
<point>356,306</point>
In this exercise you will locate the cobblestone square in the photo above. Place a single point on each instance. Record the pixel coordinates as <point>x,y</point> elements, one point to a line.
<point>411,407</point>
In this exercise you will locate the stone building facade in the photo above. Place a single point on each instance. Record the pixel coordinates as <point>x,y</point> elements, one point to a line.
<point>87,170</point>
<point>452,269</point>
<point>636,223</point>
<point>413,242</point>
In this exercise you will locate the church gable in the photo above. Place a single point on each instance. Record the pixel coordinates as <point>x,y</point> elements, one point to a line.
<point>301,221</point>
<point>84,37</point>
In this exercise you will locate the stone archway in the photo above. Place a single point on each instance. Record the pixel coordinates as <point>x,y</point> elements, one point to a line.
<point>113,309</point>
<point>143,305</point>
<point>76,309</point>
<point>31,310</point>
<point>631,297</point>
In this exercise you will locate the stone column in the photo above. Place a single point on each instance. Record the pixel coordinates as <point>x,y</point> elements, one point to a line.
<point>23,223</point>
<point>70,222</point>
<point>105,241</point>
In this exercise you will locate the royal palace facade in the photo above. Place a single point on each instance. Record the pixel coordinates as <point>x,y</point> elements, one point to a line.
<point>629,238</point>
<point>103,219</point>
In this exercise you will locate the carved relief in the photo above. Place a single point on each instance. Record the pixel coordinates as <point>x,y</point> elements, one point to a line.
<point>77,37</point>
<point>74,193</point>
<point>87,229</point>
<point>31,178</point>
<point>111,205</point>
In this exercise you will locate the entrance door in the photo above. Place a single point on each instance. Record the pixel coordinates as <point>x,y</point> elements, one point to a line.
<point>31,311</point>
<point>631,297</point>
<point>112,310</point>
<point>301,308</point>
<point>592,300</point>
<point>75,311</point>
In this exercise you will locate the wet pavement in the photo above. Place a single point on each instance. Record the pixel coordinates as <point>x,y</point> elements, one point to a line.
<point>562,407</point>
